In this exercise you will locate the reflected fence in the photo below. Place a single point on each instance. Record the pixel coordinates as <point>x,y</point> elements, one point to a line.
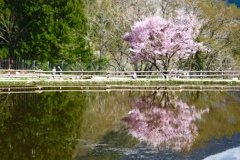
<point>117,88</point>
<point>12,73</point>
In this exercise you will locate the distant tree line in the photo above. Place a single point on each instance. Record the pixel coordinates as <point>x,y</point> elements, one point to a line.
<point>43,30</point>
<point>91,32</point>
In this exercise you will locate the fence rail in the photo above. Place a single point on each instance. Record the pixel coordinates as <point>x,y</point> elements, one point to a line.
<point>35,65</point>
<point>110,88</point>
<point>120,74</point>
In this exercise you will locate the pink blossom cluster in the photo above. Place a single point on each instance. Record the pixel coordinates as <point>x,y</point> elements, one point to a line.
<point>165,127</point>
<point>164,40</point>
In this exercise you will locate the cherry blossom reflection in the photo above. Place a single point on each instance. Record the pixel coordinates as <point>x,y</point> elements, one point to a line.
<point>164,121</point>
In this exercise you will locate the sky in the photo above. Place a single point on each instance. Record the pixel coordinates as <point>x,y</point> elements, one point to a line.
<point>233,154</point>
<point>237,2</point>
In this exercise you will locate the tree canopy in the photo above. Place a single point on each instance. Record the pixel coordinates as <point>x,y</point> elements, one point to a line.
<point>90,32</point>
<point>43,30</point>
<point>163,42</point>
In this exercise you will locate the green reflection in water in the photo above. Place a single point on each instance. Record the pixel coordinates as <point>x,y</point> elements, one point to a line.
<point>75,125</point>
<point>223,118</point>
<point>40,126</point>
<point>174,118</point>
<point>103,135</point>
<point>220,120</point>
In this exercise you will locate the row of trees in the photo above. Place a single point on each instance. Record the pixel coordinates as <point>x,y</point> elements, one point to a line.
<point>43,30</point>
<point>218,32</point>
<point>92,32</point>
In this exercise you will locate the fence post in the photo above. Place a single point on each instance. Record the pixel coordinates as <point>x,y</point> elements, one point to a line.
<point>23,64</point>
<point>222,74</point>
<point>34,65</point>
<point>106,65</point>
<point>9,64</point>
<point>62,64</point>
<point>201,74</point>
<point>9,68</point>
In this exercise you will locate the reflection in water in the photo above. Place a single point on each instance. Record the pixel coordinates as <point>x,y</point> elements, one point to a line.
<point>102,133</point>
<point>88,125</point>
<point>233,153</point>
<point>40,126</point>
<point>164,121</point>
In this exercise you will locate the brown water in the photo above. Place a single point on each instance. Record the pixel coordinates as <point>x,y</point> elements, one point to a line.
<point>97,123</point>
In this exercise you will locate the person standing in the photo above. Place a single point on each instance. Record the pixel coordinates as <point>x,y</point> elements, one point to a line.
<point>134,76</point>
<point>54,70</point>
<point>59,70</point>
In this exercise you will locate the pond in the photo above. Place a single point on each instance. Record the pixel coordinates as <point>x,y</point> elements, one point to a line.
<point>112,122</point>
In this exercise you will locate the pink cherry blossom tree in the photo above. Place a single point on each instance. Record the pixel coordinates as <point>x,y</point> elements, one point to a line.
<point>163,42</point>
<point>166,124</point>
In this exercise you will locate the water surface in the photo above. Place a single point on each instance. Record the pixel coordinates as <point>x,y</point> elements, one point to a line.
<point>113,123</point>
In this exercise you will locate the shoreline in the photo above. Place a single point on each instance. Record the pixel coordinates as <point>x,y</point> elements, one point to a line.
<point>105,81</point>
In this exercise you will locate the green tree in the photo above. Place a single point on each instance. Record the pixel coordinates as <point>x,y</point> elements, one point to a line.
<point>47,30</point>
<point>10,32</point>
<point>219,34</point>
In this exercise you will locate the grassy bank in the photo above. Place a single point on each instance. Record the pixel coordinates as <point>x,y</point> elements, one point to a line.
<point>105,81</point>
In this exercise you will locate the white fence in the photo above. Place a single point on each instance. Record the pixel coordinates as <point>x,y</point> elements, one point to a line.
<point>121,74</point>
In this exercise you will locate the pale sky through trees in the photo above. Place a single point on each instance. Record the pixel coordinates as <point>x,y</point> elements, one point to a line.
<point>237,2</point>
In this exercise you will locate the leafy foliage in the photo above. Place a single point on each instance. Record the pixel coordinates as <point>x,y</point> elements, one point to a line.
<point>45,30</point>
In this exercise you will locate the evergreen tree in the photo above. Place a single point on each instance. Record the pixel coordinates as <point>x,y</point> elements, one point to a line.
<point>48,30</point>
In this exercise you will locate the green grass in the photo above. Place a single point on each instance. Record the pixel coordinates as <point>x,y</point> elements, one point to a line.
<point>104,81</point>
